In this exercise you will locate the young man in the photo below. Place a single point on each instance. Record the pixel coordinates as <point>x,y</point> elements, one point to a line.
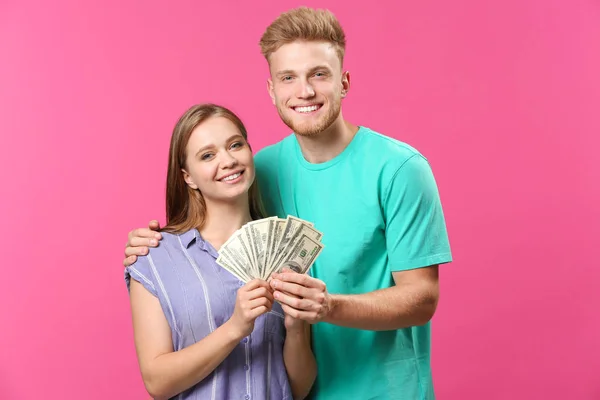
<point>374,288</point>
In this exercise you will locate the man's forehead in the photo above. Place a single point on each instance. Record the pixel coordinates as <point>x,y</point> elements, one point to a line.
<point>303,56</point>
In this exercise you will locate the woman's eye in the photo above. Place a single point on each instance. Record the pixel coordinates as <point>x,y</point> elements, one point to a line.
<point>206,156</point>
<point>236,145</point>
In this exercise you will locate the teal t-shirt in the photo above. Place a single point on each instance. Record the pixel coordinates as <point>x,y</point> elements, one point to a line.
<point>378,206</point>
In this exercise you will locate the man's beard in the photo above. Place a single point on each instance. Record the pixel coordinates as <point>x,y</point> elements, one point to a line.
<point>308,129</point>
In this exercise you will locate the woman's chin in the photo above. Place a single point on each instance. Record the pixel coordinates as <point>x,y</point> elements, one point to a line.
<point>233,196</point>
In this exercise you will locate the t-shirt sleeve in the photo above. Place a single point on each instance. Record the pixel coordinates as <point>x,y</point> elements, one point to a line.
<point>416,234</point>
<point>141,272</point>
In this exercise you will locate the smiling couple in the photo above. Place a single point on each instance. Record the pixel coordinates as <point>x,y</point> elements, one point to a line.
<point>357,326</point>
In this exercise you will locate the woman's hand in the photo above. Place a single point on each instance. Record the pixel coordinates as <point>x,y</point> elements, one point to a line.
<point>253,299</point>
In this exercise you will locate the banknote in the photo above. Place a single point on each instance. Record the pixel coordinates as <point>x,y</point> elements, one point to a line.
<point>289,243</point>
<point>267,245</point>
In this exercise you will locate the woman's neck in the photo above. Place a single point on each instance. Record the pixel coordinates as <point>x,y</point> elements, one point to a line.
<point>222,220</point>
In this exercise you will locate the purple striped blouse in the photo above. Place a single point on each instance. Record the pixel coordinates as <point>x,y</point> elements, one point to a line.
<point>197,296</point>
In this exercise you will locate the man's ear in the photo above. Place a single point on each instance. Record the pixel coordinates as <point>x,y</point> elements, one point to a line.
<point>271,90</point>
<point>345,83</point>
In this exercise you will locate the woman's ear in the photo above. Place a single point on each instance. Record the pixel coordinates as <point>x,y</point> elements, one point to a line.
<point>188,179</point>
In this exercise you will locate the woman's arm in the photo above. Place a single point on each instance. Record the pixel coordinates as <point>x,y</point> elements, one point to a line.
<point>298,357</point>
<point>167,373</point>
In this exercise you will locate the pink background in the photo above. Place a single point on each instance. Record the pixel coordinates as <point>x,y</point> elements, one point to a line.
<point>503,98</point>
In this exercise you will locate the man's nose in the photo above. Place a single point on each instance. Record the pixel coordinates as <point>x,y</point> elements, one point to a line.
<point>305,91</point>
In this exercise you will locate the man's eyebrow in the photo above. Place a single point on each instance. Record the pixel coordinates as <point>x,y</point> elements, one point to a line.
<point>285,72</point>
<point>310,71</point>
<point>319,67</point>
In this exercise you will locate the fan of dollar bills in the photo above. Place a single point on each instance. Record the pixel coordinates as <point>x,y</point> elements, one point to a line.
<point>264,246</point>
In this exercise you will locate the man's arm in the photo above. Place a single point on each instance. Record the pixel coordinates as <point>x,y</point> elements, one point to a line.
<point>416,243</point>
<point>411,301</point>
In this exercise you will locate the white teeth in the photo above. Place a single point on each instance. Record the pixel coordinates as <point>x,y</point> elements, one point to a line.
<point>306,109</point>
<point>231,177</point>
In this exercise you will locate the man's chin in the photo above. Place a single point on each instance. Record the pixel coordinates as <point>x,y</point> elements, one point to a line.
<point>306,128</point>
<point>307,132</point>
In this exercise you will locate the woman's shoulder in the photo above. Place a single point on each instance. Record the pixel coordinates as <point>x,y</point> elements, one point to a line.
<point>159,260</point>
<point>171,243</point>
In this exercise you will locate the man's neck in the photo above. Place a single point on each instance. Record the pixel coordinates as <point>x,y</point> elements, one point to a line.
<point>223,219</point>
<point>328,144</point>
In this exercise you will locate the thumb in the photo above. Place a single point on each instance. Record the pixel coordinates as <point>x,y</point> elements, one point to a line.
<point>154,225</point>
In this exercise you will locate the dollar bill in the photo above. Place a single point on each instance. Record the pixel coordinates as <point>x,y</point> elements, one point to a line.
<point>273,242</point>
<point>237,249</point>
<point>292,225</point>
<point>292,240</point>
<point>259,232</point>
<point>226,263</point>
<point>264,246</point>
<point>303,255</point>
<point>249,240</point>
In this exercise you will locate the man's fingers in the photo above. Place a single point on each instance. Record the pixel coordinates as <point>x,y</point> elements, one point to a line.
<point>154,225</point>
<point>142,241</point>
<point>136,251</point>
<point>294,302</point>
<point>129,260</point>
<point>144,233</point>
<point>289,294</point>
<point>300,279</point>
<point>298,314</point>
<point>291,288</point>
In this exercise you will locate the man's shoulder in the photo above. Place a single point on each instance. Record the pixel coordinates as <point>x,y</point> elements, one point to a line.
<point>388,146</point>
<point>270,153</point>
<point>267,159</point>
<point>388,154</point>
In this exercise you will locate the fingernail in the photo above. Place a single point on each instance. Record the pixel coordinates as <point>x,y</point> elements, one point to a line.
<point>144,251</point>
<point>275,284</point>
<point>157,236</point>
<point>276,295</point>
<point>152,242</point>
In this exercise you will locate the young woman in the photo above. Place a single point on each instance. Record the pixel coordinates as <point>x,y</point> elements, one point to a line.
<point>201,333</point>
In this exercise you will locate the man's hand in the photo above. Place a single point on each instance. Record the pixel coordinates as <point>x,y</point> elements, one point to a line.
<point>301,296</point>
<point>139,240</point>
